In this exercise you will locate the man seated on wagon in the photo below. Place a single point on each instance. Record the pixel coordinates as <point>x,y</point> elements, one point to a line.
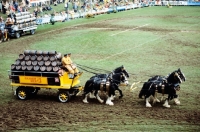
<point>67,63</point>
<point>9,22</point>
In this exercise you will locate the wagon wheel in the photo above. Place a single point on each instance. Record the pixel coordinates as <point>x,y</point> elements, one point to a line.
<point>17,35</point>
<point>63,96</point>
<point>22,93</point>
<point>32,31</point>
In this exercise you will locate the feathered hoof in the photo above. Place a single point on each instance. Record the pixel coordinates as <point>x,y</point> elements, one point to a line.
<point>177,102</point>
<point>110,103</point>
<point>85,101</point>
<point>112,98</point>
<point>148,106</point>
<point>166,105</point>
<point>101,101</point>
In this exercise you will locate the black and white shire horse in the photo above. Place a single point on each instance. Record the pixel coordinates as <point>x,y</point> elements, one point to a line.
<point>120,69</point>
<point>108,85</point>
<point>164,85</point>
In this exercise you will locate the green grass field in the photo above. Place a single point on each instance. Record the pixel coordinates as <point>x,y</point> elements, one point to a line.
<point>147,41</point>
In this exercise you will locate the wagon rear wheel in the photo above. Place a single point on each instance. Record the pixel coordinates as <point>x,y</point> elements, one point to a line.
<point>22,93</point>
<point>63,96</point>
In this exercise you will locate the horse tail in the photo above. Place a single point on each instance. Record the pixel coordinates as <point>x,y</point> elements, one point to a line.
<point>143,90</point>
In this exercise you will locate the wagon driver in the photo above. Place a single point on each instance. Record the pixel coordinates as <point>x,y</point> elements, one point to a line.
<point>67,62</point>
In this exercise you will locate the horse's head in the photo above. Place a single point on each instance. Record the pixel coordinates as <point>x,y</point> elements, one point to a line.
<point>120,78</point>
<point>121,69</point>
<point>176,77</point>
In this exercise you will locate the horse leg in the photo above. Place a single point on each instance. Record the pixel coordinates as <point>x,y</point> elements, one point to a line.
<point>176,100</point>
<point>155,99</point>
<point>108,101</point>
<point>112,97</point>
<point>85,98</point>
<point>166,104</point>
<point>91,95</point>
<point>97,96</point>
<point>120,92</point>
<point>111,93</point>
<point>147,102</point>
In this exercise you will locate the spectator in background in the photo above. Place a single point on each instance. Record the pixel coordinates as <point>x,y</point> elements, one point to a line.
<point>4,7</point>
<point>75,6</point>
<point>1,6</point>
<point>66,6</point>
<point>55,3</point>
<point>15,4</point>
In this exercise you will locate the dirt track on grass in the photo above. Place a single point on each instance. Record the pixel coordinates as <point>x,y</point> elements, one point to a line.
<point>43,110</point>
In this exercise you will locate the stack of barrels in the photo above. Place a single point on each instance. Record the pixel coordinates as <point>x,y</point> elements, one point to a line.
<point>24,20</point>
<point>38,61</point>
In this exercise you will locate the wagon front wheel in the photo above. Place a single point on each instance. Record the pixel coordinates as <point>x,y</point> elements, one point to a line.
<point>22,93</point>
<point>63,96</point>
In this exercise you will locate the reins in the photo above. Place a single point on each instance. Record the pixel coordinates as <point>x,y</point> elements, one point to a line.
<point>83,67</point>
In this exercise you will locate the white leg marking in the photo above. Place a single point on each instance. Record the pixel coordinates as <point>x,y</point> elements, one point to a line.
<point>177,101</point>
<point>109,102</point>
<point>147,103</point>
<point>91,95</point>
<point>166,104</point>
<point>99,99</point>
<point>85,99</point>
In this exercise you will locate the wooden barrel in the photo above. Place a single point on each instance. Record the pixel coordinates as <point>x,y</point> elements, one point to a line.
<point>21,56</point>
<point>36,68</point>
<point>28,62</point>
<point>29,68</point>
<point>43,68</point>
<point>17,14</point>
<point>34,57</point>
<point>59,56</point>
<point>55,68</point>
<point>49,68</point>
<point>24,67</point>
<point>40,63</point>
<point>26,52</point>
<point>39,58</point>
<point>52,58</point>
<point>17,62</point>
<point>34,63</point>
<point>12,67</point>
<point>45,53</point>
<point>32,52</point>
<point>47,63</point>
<point>54,63</point>
<point>39,52</point>
<point>18,67</point>
<point>45,58</point>
<point>23,63</point>
<point>52,53</point>
<point>27,57</point>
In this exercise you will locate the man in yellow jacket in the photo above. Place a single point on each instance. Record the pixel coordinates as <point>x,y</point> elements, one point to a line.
<point>67,62</point>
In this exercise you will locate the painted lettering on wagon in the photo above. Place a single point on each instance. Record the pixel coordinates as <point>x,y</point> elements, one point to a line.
<point>33,79</point>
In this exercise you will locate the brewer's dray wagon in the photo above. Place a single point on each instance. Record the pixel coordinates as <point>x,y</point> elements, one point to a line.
<point>34,70</point>
<point>24,23</point>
